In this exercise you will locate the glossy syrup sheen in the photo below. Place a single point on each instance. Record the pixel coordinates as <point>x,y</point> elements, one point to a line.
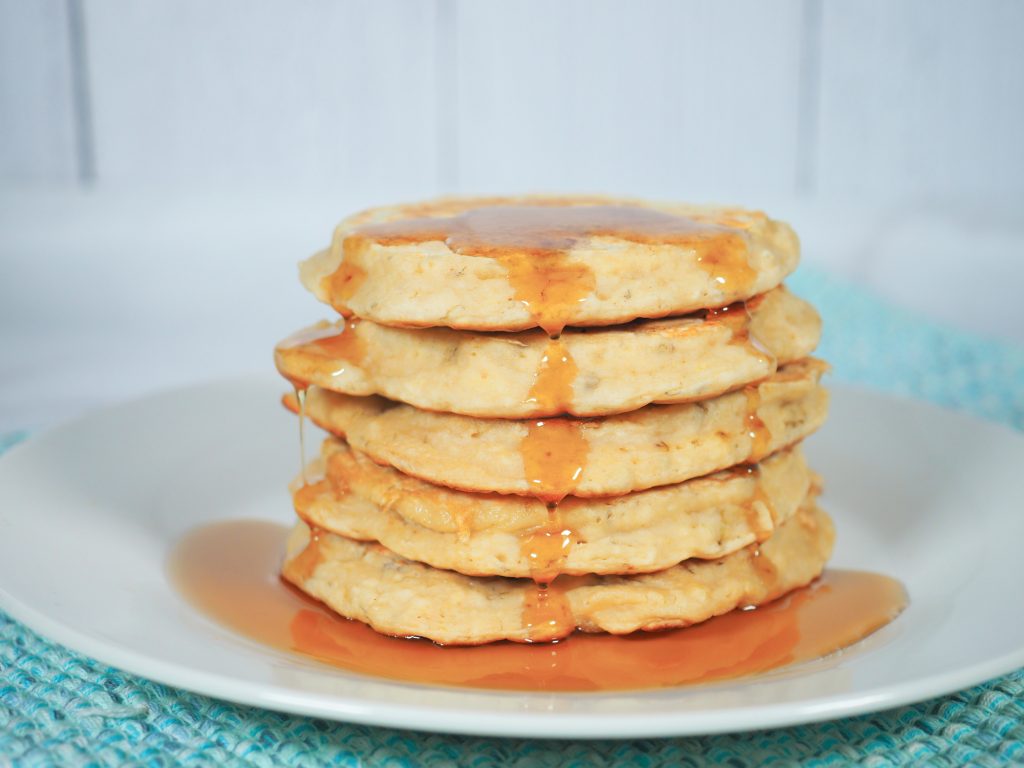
<point>532,242</point>
<point>338,347</point>
<point>737,319</point>
<point>229,571</point>
<point>758,432</point>
<point>554,454</point>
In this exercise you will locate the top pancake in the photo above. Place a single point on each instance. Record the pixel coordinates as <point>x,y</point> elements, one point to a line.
<point>515,263</point>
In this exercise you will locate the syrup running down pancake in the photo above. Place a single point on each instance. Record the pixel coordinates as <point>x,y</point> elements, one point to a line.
<point>585,372</point>
<point>493,534</point>
<point>652,446</point>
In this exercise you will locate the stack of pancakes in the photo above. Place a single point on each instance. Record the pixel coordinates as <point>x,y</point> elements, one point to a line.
<point>550,414</point>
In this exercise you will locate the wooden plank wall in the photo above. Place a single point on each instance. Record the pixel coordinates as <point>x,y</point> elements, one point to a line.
<point>884,100</point>
<point>37,106</point>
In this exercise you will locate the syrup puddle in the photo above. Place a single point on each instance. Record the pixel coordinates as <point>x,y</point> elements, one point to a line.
<point>229,571</point>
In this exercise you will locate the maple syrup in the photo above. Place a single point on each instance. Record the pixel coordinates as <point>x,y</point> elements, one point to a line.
<point>554,457</point>
<point>342,348</point>
<point>554,453</point>
<point>300,398</point>
<point>533,243</point>
<point>228,570</point>
<point>758,432</point>
<point>546,613</point>
<point>348,277</point>
<point>755,520</point>
<point>735,317</point>
<point>552,390</point>
<point>758,505</point>
<point>546,547</point>
<point>301,567</point>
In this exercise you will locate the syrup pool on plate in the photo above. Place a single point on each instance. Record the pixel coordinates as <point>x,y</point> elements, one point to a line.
<point>229,571</point>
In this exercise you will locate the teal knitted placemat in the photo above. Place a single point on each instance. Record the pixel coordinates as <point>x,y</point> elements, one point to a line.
<point>60,708</point>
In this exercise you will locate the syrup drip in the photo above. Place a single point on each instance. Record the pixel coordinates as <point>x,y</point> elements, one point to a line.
<point>725,260</point>
<point>304,497</point>
<point>754,517</point>
<point>300,397</point>
<point>336,476</point>
<point>554,455</point>
<point>339,349</point>
<point>345,346</point>
<point>322,342</point>
<point>547,614</point>
<point>348,277</point>
<point>301,568</point>
<point>227,571</point>
<point>757,501</point>
<point>546,547</point>
<point>552,390</point>
<point>548,286</point>
<point>760,436</point>
<point>533,241</point>
<point>767,571</point>
<point>737,318</point>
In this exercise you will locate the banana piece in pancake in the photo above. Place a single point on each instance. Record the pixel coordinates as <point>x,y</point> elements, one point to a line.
<point>401,597</point>
<point>655,445</point>
<point>514,536</point>
<point>514,263</point>
<point>585,372</point>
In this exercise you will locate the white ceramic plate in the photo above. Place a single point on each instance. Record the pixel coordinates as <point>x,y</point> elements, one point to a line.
<point>90,511</point>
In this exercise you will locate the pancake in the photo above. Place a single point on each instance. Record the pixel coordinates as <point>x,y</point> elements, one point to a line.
<point>494,535</point>
<point>584,372</point>
<point>522,262</point>
<point>401,597</point>
<point>655,445</point>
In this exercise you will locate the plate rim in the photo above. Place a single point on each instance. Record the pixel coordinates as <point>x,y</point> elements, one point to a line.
<point>541,725</point>
<point>547,725</point>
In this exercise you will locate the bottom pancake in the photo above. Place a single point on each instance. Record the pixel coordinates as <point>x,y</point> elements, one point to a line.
<point>405,598</point>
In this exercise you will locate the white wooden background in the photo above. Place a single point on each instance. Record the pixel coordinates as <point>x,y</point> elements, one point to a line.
<point>163,163</point>
<point>893,100</point>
